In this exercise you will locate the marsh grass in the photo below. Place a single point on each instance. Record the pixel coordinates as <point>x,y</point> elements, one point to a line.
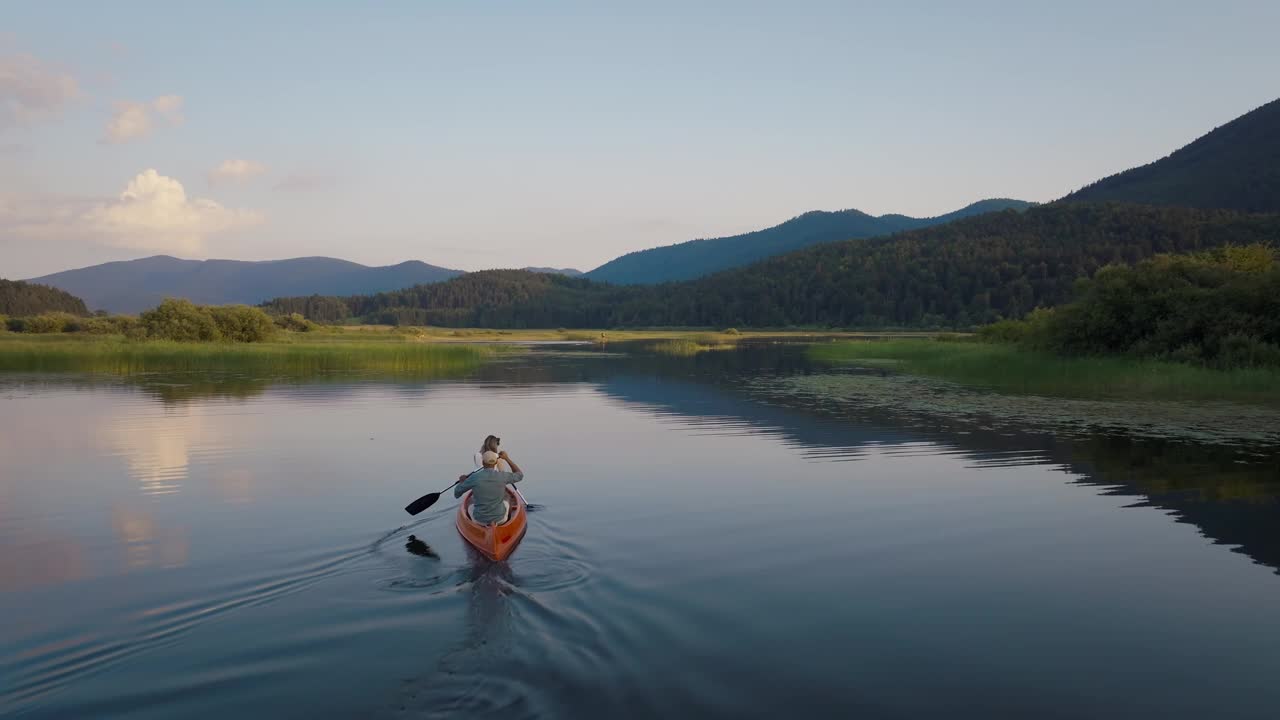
<point>692,345</point>
<point>1009,369</point>
<point>314,355</point>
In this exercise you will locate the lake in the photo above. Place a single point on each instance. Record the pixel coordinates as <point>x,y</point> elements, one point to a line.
<point>711,536</point>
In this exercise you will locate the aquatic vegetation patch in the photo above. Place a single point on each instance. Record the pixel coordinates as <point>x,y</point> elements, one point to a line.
<point>1010,369</point>
<point>915,396</point>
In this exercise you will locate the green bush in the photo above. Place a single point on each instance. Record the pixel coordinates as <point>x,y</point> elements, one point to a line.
<point>4,323</point>
<point>241,323</point>
<point>52,322</point>
<point>1238,350</point>
<point>108,324</point>
<point>99,326</point>
<point>1032,331</point>
<point>295,322</point>
<point>732,331</point>
<point>180,320</point>
<point>16,324</point>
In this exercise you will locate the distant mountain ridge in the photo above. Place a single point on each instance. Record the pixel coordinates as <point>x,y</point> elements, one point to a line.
<point>130,286</point>
<point>695,258</point>
<point>567,272</point>
<point>1234,167</point>
<point>973,271</point>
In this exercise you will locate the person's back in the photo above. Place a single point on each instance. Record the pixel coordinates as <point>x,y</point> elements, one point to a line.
<point>488,487</point>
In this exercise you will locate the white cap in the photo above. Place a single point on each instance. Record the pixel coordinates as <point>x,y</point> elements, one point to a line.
<point>488,457</point>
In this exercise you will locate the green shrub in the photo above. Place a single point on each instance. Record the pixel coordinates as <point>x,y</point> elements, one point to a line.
<point>241,323</point>
<point>99,326</point>
<point>1004,331</point>
<point>108,324</point>
<point>180,320</point>
<point>732,331</point>
<point>4,323</point>
<point>295,322</point>
<point>1245,351</point>
<point>52,322</point>
<point>16,324</point>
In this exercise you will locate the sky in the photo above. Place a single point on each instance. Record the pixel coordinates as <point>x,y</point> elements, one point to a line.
<point>506,134</point>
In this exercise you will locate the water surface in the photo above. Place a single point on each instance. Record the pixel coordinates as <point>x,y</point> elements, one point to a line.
<point>707,541</point>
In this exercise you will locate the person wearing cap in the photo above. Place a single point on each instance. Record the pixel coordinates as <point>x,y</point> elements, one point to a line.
<point>488,487</point>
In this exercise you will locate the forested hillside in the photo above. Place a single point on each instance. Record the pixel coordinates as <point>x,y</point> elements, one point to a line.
<point>968,272</point>
<point>18,299</point>
<point>1235,166</point>
<point>697,258</point>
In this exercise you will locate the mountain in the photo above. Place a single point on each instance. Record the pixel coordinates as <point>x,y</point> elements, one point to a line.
<point>970,271</point>
<point>131,286</point>
<point>568,272</point>
<point>19,299</point>
<point>1236,166</point>
<point>702,257</point>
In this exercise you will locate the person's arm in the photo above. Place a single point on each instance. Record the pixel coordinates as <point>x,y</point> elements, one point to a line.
<point>516,473</point>
<point>465,483</point>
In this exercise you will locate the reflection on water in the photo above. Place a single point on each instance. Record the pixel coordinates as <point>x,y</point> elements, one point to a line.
<point>706,544</point>
<point>144,544</point>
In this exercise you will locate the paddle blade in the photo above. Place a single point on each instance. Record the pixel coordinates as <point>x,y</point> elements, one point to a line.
<point>422,503</point>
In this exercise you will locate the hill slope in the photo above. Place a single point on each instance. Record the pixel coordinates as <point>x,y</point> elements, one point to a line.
<point>1236,166</point>
<point>135,285</point>
<point>970,271</point>
<point>696,258</point>
<point>18,299</point>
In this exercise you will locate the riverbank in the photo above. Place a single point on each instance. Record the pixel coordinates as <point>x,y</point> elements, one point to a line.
<point>300,354</point>
<point>1006,368</point>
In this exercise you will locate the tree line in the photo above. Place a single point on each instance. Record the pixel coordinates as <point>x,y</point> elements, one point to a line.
<point>19,298</point>
<point>1219,308</point>
<point>966,273</point>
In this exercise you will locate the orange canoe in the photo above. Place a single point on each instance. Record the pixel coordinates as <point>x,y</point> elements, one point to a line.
<point>495,542</point>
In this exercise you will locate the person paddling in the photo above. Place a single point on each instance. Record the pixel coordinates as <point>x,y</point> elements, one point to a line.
<point>488,486</point>
<point>490,444</point>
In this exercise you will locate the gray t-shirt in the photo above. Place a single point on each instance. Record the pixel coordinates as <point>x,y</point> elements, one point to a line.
<point>488,490</point>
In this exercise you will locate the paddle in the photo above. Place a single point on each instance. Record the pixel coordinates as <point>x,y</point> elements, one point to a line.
<point>428,500</point>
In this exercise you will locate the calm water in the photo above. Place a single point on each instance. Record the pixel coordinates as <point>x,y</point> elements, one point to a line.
<point>703,545</point>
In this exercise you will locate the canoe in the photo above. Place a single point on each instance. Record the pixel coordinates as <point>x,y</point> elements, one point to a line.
<point>495,542</point>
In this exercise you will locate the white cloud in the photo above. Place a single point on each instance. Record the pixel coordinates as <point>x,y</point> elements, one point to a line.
<point>169,106</point>
<point>131,120</point>
<point>235,171</point>
<point>31,90</point>
<point>153,213</point>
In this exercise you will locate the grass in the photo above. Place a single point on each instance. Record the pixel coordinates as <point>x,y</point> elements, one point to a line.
<point>1009,369</point>
<point>693,344</point>
<point>296,355</point>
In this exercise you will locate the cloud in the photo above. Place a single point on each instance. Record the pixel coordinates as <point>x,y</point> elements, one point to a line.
<point>305,182</point>
<point>131,120</point>
<point>170,107</point>
<point>235,171</point>
<point>31,90</point>
<point>153,213</point>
